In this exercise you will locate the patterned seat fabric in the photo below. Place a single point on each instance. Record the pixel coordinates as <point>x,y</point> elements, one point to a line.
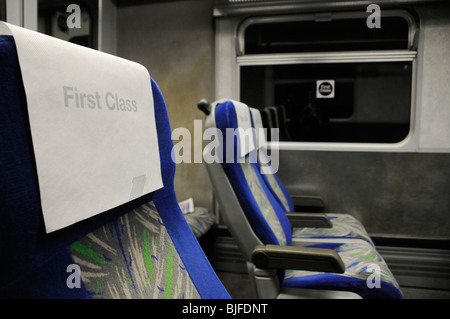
<point>200,220</point>
<point>141,249</point>
<point>344,226</point>
<point>269,222</point>
<point>366,273</point>
<point>133,257</point>
<point>263,202</point>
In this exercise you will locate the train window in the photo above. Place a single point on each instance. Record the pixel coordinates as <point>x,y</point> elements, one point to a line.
<point>371,102</point>
<point>337,82</point>
<point>324,34</point>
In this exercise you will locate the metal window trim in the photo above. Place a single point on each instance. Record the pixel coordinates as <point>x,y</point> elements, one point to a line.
<point>326,57</point>
<point>321,16</point>
<point>409,144</point>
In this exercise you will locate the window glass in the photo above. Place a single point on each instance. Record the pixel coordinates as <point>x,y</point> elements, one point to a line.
<point>337,79</point>
<point>335,102</point>
<point>2,10</point>
<point>324,36</point>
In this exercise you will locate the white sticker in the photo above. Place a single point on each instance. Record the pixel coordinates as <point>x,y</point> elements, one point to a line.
<point>92,125</point>
<point>187,206</point>
<point>325,89</point>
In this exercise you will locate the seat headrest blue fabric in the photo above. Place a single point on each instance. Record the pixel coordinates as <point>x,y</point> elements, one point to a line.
<point>226,118</point>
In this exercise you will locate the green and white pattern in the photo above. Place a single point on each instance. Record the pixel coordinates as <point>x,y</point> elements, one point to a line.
<point>133,257</point>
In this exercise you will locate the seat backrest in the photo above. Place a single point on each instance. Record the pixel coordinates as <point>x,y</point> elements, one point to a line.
<point>267,121</point>
<point>140,249</point>
<point>275,117</point>
<point>264,213</point>
<point>268,220</point>
<point>283,121</point>
<point>273,182</point>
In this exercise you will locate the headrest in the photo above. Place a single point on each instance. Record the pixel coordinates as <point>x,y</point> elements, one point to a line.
<point>92,123</point>
<point>233,119</point>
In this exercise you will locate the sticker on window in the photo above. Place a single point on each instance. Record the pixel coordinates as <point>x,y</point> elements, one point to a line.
<point>325,89</point>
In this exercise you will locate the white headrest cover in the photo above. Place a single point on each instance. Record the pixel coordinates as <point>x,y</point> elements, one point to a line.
<point>245,129</point>
<point>93,127</point>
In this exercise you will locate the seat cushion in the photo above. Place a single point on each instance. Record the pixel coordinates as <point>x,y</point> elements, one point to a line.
<point>364,266</point>
<point>344,226</point>
<point>200,220</point>
<point>132,257</point>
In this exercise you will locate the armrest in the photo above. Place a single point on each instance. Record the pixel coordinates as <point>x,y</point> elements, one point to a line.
<point>309,220</point>
<point>298,258</point>
<point>308,202</point>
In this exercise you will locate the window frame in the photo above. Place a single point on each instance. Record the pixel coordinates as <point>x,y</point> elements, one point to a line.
<point>408,144</point>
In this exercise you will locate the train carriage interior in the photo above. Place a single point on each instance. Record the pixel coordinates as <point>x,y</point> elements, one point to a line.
<point>282,149</point>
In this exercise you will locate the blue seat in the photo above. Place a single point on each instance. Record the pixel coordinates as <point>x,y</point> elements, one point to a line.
<point>343,225</point>
<point>141,249</point>
<point>280,265</point>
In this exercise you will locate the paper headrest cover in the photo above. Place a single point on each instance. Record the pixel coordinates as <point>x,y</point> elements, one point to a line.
<point>92,124</point>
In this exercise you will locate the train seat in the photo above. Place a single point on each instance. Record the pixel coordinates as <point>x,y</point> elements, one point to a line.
<point>275,118</point>
<point>284,122</point>
<point>267,121</point>
<point>343,225</point>
<point>279,265</point>
<point>142,248</point>
<point>268,114</point>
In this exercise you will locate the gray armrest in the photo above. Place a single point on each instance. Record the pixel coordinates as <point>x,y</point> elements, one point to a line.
<point>298,258</point>
<point>312,203</point>
<point>309,220</point>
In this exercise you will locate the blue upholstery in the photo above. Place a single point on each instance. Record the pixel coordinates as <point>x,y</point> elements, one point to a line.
<point>226,118</point>
<point>34,263</point>
<point>269,222</point>
<point>359,257</point>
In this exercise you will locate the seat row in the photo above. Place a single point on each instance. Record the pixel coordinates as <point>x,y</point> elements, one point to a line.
<point>275,117</point>
<point>329,254</point>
